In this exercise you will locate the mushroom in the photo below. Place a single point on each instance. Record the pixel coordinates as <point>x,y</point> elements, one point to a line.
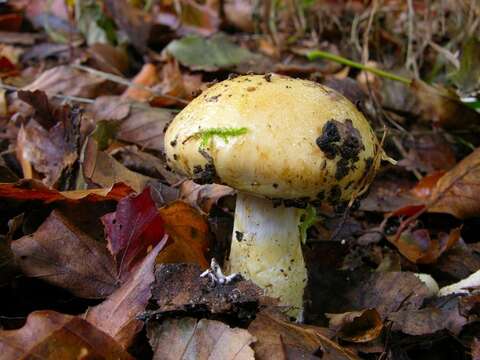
<point>282,143</point>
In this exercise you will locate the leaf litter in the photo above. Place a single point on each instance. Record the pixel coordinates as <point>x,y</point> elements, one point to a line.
<point>102,245</point>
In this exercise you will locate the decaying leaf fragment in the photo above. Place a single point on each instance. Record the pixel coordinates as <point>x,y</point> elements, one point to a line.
<point>179,288</point>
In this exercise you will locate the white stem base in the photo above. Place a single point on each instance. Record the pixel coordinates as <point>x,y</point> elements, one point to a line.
<point>266,249</point>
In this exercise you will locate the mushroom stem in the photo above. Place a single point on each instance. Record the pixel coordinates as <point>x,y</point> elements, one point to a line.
<point>266,249</point>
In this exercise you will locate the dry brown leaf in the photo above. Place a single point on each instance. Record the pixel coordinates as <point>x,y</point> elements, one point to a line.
<point>277,338</point>
<point>189,231</point>
<point>117,316</point>
<point>102,169</point>
<point>146,77</point>
<point>442,314</point>
<point>145,127</point>
<point>443,106</point>
<point>357,326</point>
<point>419,247</point>
<point>109,108</point>
<point>66,80</point>
<point>203,196</point>
<point>61,254</point>
<point>189,338</point>
<point>457,191</point>
<point>384,291</point>
<point>176,84</point>
<point>475,349</point>
<point>50,335</point>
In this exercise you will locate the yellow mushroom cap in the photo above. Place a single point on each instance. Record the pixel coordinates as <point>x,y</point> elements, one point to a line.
<point>275,137</point>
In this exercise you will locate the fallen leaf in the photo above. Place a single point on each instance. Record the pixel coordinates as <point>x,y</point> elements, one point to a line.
<point>203,196</point>
<point>117,316</point>
<point>51,335</point>
<point>419,247</point>
<point>475,349</point>
<point>428,153</point>
<point>277,338</point>
<point>239,13</point>
<point>29,190</point>
<point>357,290</point>
<point>442,106</point>
<point>136,23</point>
<point>147,77</point>
<point>109,108</point>
<point>217,52</point>
<point>443,314</point>
<point>189,232</point>
<point>62,255</point>
<point>66,80</point>
<point>189,338</point>
<point>177,85</point>
<point>108,58</point>
<point>179,287</point>
<point>202,19</point>
<point>103,170</point>
<point>133,230</point>
<point>145,127</point>
<point>146,163</point>
<point>457,263</point>
<point>357,326</point>
<point>51,139</point>
<point>456,192</point>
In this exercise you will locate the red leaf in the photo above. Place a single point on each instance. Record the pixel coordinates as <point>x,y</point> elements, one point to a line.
<point>35,190</point>
<point>132,230</point>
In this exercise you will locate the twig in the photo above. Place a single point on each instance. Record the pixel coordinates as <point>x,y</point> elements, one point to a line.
<point>126,82</point>
<point>58,96</point>
<point>410,60</point>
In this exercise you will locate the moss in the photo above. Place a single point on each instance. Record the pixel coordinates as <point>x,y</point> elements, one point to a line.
<point>224,133</point>
<point>308,219</point>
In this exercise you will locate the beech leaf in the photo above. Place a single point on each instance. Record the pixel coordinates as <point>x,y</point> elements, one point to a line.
<point>117,316</point>
<point>59,253</point>
<point>50,335</point>
<point>189,338</point>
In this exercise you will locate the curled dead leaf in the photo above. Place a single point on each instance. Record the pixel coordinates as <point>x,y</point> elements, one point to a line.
<point>357,326</point>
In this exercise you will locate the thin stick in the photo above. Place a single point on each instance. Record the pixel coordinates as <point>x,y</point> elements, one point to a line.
<point>319,54</point>
<point>126,82</point>
<point>58,96</point>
